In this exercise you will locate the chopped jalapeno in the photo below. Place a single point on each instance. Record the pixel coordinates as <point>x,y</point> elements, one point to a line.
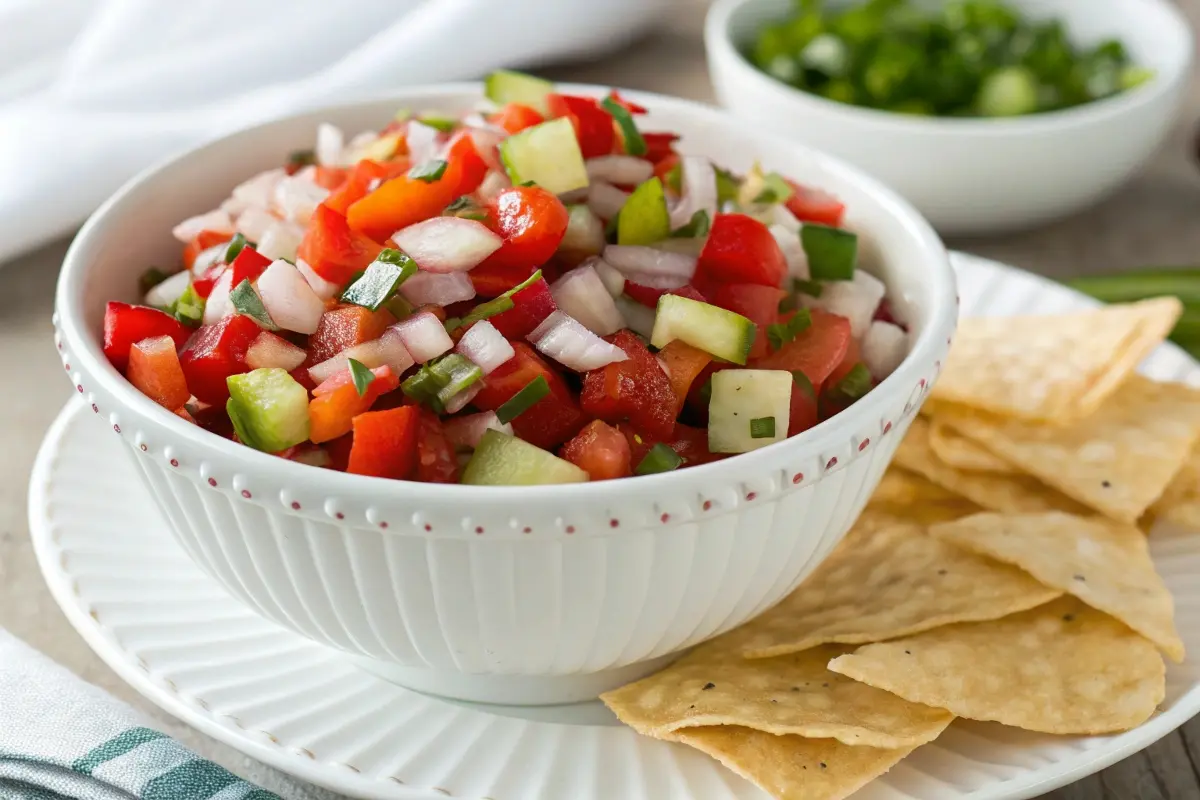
<point>661,458</point>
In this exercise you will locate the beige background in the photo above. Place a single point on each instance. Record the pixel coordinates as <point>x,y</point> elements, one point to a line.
<point>1154,220</point>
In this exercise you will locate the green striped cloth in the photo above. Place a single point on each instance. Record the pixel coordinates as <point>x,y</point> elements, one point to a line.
<point>63,739</point>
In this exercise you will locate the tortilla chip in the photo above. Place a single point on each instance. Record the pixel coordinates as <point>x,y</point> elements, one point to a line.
<point>956,450</point>
<point>1180,502</point>
<point>892,582</point>
<point>1051,368</point>
<point>1118,460</point>
<point>795,694</point>
<point>1014,494</point>
<point>792,767</point>
<point>1060,668</point>
<point>903,487</point>
<point>1105,564</point>
<point>927,514</point>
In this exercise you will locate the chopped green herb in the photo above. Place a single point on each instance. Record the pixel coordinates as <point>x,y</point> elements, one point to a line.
<point>443,124</point>
<point>727,186</point>
<point>855,384</point>
<point>782,333</point>
<point>831,252</point>
<point>236,245</point>
<point>810,288</point>
<point>461,202</point>
<point>246,302</point>
<point>151,278</point>
<point>523,400</point>
<point>188,308</point>
<point>661,458</point>
<point>804,384</point>
<point>301,158</point>
<point>428,171</point>
<point>696,227</point>
<point>762,428</point>
<point>775,189</point>
<point>438,381</point>
<point>491,308</point>
<point>381,279</point>
<point>527,183</point>
<point>361,375</point>
<point>635,145</point>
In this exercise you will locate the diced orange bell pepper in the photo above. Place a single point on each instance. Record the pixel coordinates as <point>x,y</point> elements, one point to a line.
<point>154,369</point>
<point>362,179</point>
<point>385,443</point>
<point>683,363</point>
<point>331,413</point>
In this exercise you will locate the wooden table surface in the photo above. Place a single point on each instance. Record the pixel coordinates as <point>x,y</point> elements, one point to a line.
<point>1155,219</point>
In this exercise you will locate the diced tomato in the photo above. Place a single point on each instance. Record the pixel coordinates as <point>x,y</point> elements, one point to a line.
<point>831,403</point>
<point>759,304</point>
<point>332,249</point>
<point>436,462</point>
<point>698,396</point>
<point>683,363</point>
<point>154,369</point>
<point>531,306</point>
<point>515,117</point>
<point>203,285</point>
<point>815,205</point>
<point>739,249</point>
<point>636,389</point>
<point>362,179</point>
<point>547,423</point>
<point>600,450</point>
<point>329,177</point>
<point>660,146</point>
<point>202,241</point>
<point>690,443</point>
<point>816,351</point>
<point>385,443</point>
<point>649,297</point>
<point>532,221</point>
<point>803,411</point>
<point>214,353</point>
<point>300,375</point>
<point>339,451</point>
<point>851,358</point>
<point>345,326</point>
<point>332,412</point>
<point>593,125</point>
<point>248,265</point>
<point>663,166</point>
<point>125,325</point>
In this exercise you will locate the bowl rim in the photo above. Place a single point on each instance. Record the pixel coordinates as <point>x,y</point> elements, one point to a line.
<point>88,354</point>
<point>718,41</point>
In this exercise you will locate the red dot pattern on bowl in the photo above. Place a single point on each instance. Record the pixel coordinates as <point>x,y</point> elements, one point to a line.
<point>570,529</point>
<point>295,506</point>
<point>831,463</point>
<point>750,496</point>
<point>863,445</point>
<point>798,477</point>
<point>212,481</point>
<point>887,427</point>
<point>246,493</point>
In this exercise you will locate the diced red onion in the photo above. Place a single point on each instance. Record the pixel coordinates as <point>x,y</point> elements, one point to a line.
<point>296,197</point>
<point>493,184</point>
<point>271,351</point>
<point>699,189</point>
<point>254,222</point>
<point>288,298</point>
<point>605,200</point>
<point>386,351</point>
<point>170,290</point>
<point>330,145</point>
<point>281,240</point>
<point>856,300</point>
<point>581,294</point>
<point>793,251</point>
<point>215,220</point>
<point>217,306</point>
<point>323,288</point>
<point>258,191</point>
<point>649,266</point>
<point>628,170</point>
<point>486,346</point>
<point>460,400</point>
<point>464,433</point>
<point>424,336</point>
<point>884,346</point>
<point>564,339</point>
<point>447,244</point>
<point>424,141</point>
<point>438,289</point>
<point>638,317</point>
<point>613,280</point>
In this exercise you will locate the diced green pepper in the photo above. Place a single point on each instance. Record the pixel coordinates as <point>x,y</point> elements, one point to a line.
<point>644,219</point>
<point>832,252</point>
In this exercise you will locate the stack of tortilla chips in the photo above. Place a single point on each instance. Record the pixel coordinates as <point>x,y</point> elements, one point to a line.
<point>999,573</point>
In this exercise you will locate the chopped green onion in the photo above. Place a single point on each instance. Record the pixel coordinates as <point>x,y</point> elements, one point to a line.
<point>635,145</point>
<point>398,306</point>
<point>439,380</point>
<point>831,252</point>
<point>696,227</point>
<point>236,245</point>
<point>428,171</point>
<point>762,428</point>
<point>804,384</point>
<point>810,288</point>
<point>361,375</point>
<point>246,302</point>
<point>523,400</point>
<point>301,158</point>
<point>482,311</point>
<point>855,384</point>
<point>381,279</point>
<point>188,308</point>
<point>782,333</point>
<point>151,278</point>
<point>661,458</point>
<point>443,124</point>
<point>775,189</point>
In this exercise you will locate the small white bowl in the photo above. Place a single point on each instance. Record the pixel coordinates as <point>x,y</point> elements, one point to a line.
<point>970,176</point>
<point>520,595</point>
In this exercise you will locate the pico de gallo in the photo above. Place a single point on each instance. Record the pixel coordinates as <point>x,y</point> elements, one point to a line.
<point>540,292</point>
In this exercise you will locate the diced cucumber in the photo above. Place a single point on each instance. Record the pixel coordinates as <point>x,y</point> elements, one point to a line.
<point>644,219</point>
<point>547,154</point>
<point>502,460</point>
<point>269,409</point>
<point>831,252</point>
<point>749,409</point>
<point>505,86</point>
<point>714,330</point>
<point>584,236</point>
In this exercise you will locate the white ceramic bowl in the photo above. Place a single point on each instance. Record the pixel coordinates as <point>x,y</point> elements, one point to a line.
<point>502,594</point>
<point>978,175</point>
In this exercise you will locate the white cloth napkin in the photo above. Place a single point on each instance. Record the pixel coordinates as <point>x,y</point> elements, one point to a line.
<point>91,91</point>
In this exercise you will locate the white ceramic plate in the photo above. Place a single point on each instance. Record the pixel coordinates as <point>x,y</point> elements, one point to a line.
<point>172,632</point>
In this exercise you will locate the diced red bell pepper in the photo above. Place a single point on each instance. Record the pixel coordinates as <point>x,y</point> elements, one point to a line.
<point>362,179</point>
<point>815,205</point>
<point>690,443</point>
<point>436,462</point>
<point>203,285</point>
<point>332,412</point>
<point>816,351</point>
<point>345,326</point>
<point>593,125</point>
<point>636,389</point>
<point>248,265</point>
<point>600,450</point>
<point>125,325</point>
<point>683,363</point>
<point>333,250</point>
<point>532,222</point>
<point>759,304</point>
<point>154,369</point>
<point>628,105</point>
<point>214,353</point>
<point>547,423</point>
<point>515,118</point>
<point>385,443</point>
<point>201,242</point>
<point>329,177</point>
<point>660,146</point>
<point>649,297</point>
<point>530,308</point>
<point>739,249</point>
